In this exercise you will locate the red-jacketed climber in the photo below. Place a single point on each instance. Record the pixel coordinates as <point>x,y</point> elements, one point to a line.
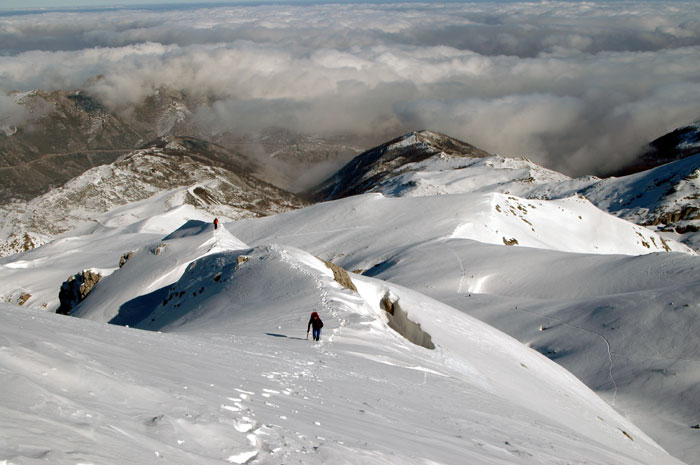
<point>315,323</point>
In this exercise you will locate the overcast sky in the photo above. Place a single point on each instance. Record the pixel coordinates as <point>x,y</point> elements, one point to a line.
<point>576,86</point>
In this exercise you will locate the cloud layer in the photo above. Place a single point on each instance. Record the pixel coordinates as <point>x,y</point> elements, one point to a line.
<point>578,87</point>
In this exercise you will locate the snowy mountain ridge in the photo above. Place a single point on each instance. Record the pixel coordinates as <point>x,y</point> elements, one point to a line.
<point>371,168</point>
<point>415,165</point>
<point>187,169</point>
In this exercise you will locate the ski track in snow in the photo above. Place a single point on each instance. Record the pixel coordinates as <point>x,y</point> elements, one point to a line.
<point>605,339</point>
<point>461,266</point>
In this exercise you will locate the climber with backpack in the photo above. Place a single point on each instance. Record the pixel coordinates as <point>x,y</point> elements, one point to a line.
<point>315,323</point>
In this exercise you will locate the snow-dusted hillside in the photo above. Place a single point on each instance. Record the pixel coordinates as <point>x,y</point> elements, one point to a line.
<point>177,170</point>
<point>62,134</point>
<point>230,377</point>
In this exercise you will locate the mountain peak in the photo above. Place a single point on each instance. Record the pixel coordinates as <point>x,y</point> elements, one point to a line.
<point>375,165</point>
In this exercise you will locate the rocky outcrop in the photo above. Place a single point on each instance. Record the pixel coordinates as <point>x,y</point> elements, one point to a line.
<point>341,276</point>
<point>125,258</point>
<point>75,289</point>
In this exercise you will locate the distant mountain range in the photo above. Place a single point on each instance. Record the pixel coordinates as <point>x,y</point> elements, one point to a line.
<point>69,132</point>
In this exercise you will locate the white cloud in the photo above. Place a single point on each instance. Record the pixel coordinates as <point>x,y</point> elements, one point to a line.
<point>578,86</point>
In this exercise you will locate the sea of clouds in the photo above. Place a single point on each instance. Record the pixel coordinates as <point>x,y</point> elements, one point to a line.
<point>580,87</point>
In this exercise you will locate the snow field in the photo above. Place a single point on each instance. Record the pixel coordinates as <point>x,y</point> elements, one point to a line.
<point>231,378</point>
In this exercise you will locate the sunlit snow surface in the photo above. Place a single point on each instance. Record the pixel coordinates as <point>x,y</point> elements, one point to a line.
<point>235,380</point>
<point>226,374</point>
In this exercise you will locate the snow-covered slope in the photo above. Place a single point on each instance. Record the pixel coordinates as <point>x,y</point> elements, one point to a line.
<point>378,222</point>
<point>666,197</point>
<point>231,379</point>
<point>624,324</point>
<point>34,277</point>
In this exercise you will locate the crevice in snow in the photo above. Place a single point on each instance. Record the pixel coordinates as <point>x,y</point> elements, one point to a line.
<point>399,322</point>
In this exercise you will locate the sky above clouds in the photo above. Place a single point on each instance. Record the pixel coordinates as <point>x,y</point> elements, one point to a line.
<point>576,86</point>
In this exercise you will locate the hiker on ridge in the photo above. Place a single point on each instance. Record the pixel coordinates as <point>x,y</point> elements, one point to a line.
<point>317,324</point>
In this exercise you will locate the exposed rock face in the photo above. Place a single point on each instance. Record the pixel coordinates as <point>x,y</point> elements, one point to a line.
<point>125,258</point>
<point>399,322</point>
<point>75,289</point>
<point>341,276</point>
